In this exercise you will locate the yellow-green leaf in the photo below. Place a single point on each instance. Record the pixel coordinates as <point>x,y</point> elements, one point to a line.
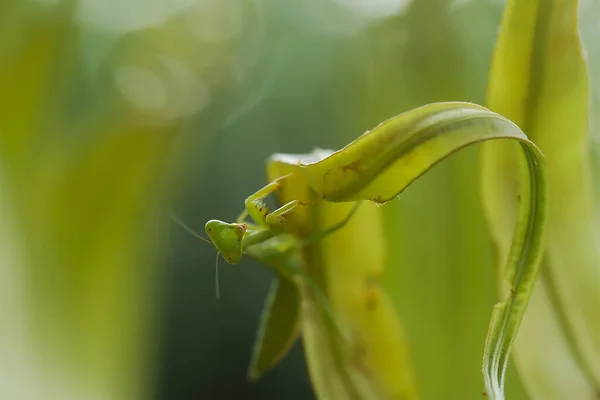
<point>539,80</point>
<point>279,326</point>
<point>378,166</point>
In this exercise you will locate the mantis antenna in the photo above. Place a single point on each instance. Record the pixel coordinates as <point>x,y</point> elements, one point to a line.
<point>217,277</point>
<point>190,230</point>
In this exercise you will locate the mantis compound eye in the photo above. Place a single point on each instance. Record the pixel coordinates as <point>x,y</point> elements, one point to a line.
<point>227,238</point>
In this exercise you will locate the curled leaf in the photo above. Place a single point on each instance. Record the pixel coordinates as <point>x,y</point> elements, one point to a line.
<point>384,161</point>
<point>539,79</point>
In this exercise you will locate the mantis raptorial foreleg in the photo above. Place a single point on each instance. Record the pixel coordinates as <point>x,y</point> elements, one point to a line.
<point>278,217</point>
<point>257,210</point>
<point>254,204</point>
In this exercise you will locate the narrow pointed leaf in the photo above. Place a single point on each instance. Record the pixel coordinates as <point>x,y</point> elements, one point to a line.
<point>539,80</point>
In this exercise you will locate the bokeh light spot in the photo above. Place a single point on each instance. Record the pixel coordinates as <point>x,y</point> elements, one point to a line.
<point>217,20</point>
<point>375,8</point>
<point>141,87</point>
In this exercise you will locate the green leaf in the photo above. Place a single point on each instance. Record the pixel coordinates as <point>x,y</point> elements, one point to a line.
<point>384,161</point>
<point>539,80</point>
<point>279,326</point>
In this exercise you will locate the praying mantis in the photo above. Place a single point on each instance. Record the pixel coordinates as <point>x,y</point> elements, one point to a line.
<point>264,239</point>
<point>353,339</point>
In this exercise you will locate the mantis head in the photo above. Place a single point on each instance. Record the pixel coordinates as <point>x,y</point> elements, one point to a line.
<point>227,238</point>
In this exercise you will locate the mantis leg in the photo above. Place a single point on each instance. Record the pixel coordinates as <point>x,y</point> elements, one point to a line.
<point>277,217</point>
<point>328,231</point>
<point>254,204</point>
<point>323,302</point>
<point>242,216</point>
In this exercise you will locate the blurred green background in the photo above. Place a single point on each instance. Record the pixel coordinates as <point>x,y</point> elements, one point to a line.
<point>115,114</point>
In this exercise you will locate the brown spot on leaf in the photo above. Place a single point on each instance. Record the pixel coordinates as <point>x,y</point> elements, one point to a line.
<point>353,166</point>
<point>371,298</point>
